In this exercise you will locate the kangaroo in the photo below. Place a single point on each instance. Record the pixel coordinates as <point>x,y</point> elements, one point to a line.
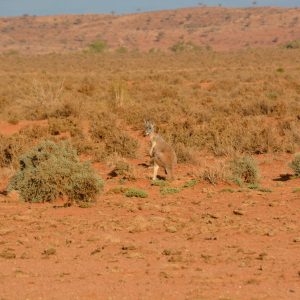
<point>161,152</point>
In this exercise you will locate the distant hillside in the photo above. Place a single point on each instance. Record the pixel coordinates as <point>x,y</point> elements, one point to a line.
<point>217,27</point>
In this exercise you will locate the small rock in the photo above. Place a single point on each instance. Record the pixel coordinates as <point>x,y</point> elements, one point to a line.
<point>213,216</point>
<point>48,252</point>
<point>167,252</point>
<point>171,229</point>
<point>134,255</point>
<point>165,209</point>
<point>97,250</point>
<point>211,238</point>
<point>238,212</point>
<point>128,247</point>
<point>270,233</point>
<point>22,218</point>
<point>296,240</point>
<point>261,256</point>
<point>139,224</point>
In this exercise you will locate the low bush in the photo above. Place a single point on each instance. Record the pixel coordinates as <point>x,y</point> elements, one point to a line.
<point>292,44</point>
<point>132,192</point>
<point>52,170</point>
<point>244,170</point>
<point>98,46</point>
<point>169,190</point>
<point>215,173</point>
<point>295,164</point>
<point>61,125</point>
<point>123,170</point>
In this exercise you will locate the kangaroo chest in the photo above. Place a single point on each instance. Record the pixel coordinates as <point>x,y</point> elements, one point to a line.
<point>153,141</point>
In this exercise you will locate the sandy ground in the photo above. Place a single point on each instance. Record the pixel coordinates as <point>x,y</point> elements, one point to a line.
<point>206,242</point>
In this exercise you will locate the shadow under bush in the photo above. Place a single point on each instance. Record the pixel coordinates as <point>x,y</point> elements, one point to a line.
<point>50,170</point>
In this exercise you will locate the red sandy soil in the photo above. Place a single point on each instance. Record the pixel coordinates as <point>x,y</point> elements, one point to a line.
<point>217,27</point>
<point>206,242</point>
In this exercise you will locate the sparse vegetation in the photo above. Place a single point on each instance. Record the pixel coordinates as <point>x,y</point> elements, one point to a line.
<point>214,108</point>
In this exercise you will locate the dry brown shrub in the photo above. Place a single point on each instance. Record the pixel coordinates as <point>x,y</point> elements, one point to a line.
<point>123,170</point>
<point>62,125</point>
<point>184,154</point>
<point>34,132</point>
<point>104,130</point>
<point>10,149</point>
<point>215,173</point>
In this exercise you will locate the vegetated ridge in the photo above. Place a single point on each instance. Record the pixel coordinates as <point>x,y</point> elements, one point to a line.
<point>214,27</point>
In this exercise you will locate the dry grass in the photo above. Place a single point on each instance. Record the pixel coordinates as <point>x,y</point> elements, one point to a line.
<point>222,103</point>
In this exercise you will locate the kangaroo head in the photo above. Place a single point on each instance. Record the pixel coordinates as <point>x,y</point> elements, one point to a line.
<point>149,128</point>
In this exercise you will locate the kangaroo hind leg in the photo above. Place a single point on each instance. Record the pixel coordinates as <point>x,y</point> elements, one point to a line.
<point>155,170</point>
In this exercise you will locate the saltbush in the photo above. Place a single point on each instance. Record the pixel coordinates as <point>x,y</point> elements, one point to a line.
<point>244,170</point>
<point>295,164</point>
<point>52,170</point>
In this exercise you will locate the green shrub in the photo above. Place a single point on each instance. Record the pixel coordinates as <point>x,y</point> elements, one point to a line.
<point>132,192</point>
<point>295,164</point>
<point>118,190</point>
<point>182,46</point>
<point>52,170</point>
<point>244,170</point>
<point>122,50</point>
<point>123,169</point>
<point>190,183</point>
<point>169,190</point>
<point>292,44</point>
<point>159,182</point>
<point>98,46</point>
